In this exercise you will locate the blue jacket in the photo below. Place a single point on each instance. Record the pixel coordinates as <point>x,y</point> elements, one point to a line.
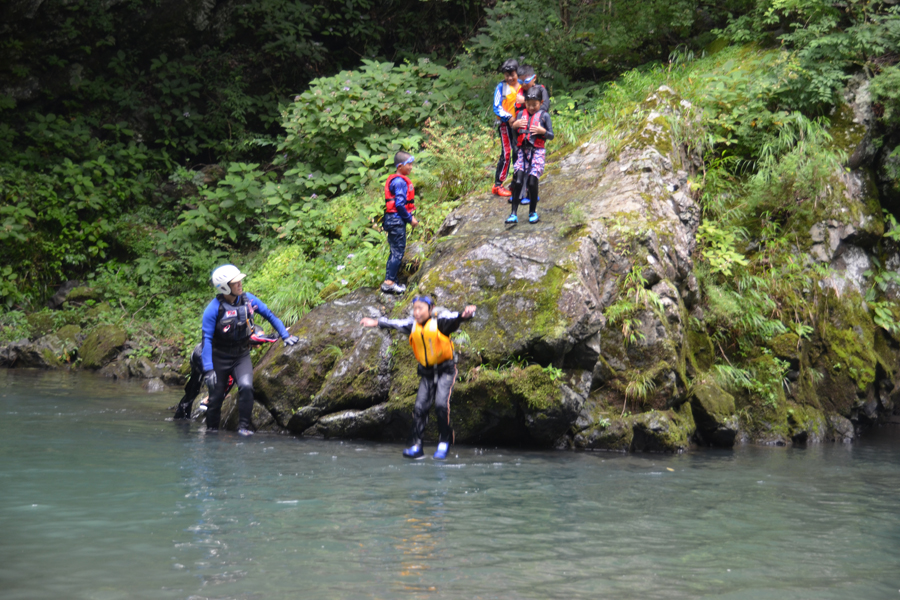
<point>399,190</point>
<point>211,314</point>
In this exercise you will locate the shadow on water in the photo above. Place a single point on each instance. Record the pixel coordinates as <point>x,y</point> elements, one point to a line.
<point>104,499</point>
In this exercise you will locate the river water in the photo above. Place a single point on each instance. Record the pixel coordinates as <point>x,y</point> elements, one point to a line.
<point>104,499</point>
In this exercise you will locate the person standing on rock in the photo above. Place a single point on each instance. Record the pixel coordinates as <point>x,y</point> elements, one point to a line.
<point>505,97</point>
<point>433,349</point>
<point>399,198</point>
<point>528,80</point>
<point>227,328</point>
<point>534,128</point>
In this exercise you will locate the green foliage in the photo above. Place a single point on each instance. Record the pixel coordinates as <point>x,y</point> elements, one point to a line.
<point>719,250</point>
<point>885,89</point>
<point>367,115</point>
<point>822,40</point>
<point>634,298</point>
<point>568,41</point>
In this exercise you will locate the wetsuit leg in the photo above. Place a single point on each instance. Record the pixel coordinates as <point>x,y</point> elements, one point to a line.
<point>507,152</point>
<point>223,366</point>
<point>396,235</point>
<point>443,389</point>
<point>193,385</point>
<point>424,400</point>
<point>533,185</point>
<point>243,375</point>
<point>518,185</point>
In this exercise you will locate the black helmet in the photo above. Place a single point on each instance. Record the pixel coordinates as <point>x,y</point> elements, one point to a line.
<point>533,93</point>
<point>509,66</point>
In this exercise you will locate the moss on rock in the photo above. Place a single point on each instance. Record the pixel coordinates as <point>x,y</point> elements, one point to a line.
<point>101,346</point>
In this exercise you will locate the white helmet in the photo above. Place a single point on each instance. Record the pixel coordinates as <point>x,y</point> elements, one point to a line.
<point>224,275</point>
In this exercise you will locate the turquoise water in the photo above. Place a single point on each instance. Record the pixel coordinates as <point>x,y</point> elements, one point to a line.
<point>103,499</point>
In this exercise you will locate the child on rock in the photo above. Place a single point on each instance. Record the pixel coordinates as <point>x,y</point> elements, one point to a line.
<point>528,80</point>
<point>399,197</point>
<point>505,109</point>
<point>534,128</point>
<point>433,349</point>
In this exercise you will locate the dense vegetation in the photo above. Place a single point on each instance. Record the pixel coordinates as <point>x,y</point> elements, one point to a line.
<point>138,149</point>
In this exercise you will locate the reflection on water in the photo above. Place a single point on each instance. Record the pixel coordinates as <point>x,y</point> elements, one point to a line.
<point>103,499</point>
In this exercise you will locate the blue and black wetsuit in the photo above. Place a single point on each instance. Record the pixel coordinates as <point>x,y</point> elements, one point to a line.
<point>227,328</point>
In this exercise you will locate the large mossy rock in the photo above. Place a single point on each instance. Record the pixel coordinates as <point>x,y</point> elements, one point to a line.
<point>48,352</point>
<point>714,412</point>
<point>539,348</point>
<point>101,346</point>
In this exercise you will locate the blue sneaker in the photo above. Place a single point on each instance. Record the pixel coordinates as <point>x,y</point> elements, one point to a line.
<point>525,201</point>
<point>244,432</point>
<point>533,218</point>
<point>512,220</point>
<point>441,452</point>
<point>415,451</point>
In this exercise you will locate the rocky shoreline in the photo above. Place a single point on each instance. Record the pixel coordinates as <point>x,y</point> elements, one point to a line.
<point>541,365</point>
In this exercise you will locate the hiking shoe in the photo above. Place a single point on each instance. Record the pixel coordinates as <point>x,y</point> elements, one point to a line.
<point>499,190</point>
<point>415,451</point>
<point>394,288</point>
<point>533,218</point>
<point>512,220</point>
<point>441,452</point>
<point>525,201</point>
<point>244,432</point>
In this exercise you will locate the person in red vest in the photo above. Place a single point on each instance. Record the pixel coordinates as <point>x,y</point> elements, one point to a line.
<point>534,128</point>
<point>399,205</point>
<point>429,337</point>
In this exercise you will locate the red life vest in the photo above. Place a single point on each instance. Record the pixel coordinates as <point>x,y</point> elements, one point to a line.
<point>525,134</point>
<point>389,206</point>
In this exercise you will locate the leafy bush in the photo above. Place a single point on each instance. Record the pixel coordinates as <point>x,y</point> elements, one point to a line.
<point>367,115</point>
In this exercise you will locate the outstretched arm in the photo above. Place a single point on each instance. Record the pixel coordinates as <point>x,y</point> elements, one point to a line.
<point>450,322</point>
<point>402,325</point>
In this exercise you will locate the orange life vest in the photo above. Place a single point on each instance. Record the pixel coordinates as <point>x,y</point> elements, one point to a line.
<point>508,103</point>
<point>525,134</point>
<point>389,206</point>
<point>429,345</point>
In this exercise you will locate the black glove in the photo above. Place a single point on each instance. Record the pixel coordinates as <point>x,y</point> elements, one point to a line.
<point>210,380</point>
<point>291,340</point>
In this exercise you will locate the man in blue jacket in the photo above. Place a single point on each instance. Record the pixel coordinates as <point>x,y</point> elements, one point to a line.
<point>227,327</point>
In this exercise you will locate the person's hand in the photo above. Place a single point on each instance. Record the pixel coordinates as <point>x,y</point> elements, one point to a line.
<point>367,322</point>
<point>414,222</point>
<point>210,380</point>
<point>538,129</point>
<point>468,311</point>
<point>520,98</point>
<point>519,123</point>
<point>291,340</point>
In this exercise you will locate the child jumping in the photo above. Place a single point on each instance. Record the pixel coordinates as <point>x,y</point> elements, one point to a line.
<point>534,129</point>
<point>428,336</point>
<point>399,197</point>
<point>504,109</point>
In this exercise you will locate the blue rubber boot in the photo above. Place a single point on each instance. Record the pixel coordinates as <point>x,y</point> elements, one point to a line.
<point>533,218</point>
<point>441,452</point>
<point>415,451</point>
<point>512,220</point>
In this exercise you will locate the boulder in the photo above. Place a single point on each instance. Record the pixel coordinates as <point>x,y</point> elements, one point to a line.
<point>81,294</point>
<point>154,385</point>
<point>714,413</point>
<point>101,346</point>
<point>48,352</point>
<point>541,291</point>
<point>60,296</point>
